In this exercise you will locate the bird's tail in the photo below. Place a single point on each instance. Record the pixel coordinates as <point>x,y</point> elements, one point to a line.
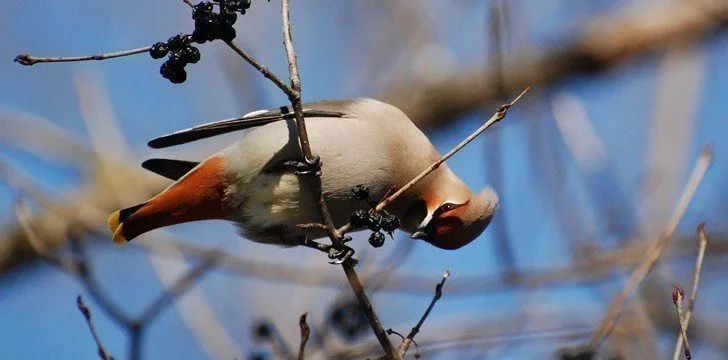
<point>116,222</point>
<point>199,195</point>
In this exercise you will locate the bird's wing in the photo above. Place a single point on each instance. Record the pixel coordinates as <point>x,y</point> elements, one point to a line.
<point>169,168</point>
<point>329,108</point>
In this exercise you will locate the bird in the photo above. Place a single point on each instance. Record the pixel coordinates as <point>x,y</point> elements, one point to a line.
<point>257,182</point>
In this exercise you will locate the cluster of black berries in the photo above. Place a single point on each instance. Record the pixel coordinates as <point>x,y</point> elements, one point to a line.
<point>372,219</point>
<point>210,25</point>
<point>180,53</point>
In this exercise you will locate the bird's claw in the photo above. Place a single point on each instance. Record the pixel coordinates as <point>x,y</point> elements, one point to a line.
<point>308,167</point>
<point>341,254</point>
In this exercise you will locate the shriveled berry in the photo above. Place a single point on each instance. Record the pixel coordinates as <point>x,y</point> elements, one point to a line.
<point>159,50</point>
<point>190,54</point>
<point>390,223</point>
<point>359,218</point>
<point>376,239</point>
<point>374,221</point>
<point>360,192</point>
<point>202,10</point>
<point>178,42</point>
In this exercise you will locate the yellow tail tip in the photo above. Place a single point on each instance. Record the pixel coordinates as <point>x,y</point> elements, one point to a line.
<point>117,228</point>
<point>119,238</point>
<point>114,221</point>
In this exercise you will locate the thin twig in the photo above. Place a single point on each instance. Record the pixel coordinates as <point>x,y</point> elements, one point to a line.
<point>305,333</point>
<point>189,3</point>
<point>28,60</point>
<point>677,298</point>
<point>653,253</point>
<point>179,287</point>
<point>703,238</point>
<point>261,68</point>
<point>334,235</point>
<point>295,97</point>
<point>103,354</point>
<point>497,116</point>
<point>406,342</point>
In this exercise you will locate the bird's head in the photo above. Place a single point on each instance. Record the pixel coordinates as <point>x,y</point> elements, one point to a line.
<point>455,220</point>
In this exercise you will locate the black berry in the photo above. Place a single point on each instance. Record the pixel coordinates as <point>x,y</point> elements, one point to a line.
<point>159,50</point>
<point>257,356</point>
<point>204,30</point>
<point>178,42</point>
<point>263,330</point>
<point>348,319</point>
<point>228,17</point>
<point>374,221</point>
<point>176,60</point>
<point>173,72</point>
<point>360,192</point>
<point>190,55</point>
<point>243,5</point>
<point>390,223</point>
<point>376,239</point>
<point>359,218</point>
<point>226,32</point>
<point>202,10</point>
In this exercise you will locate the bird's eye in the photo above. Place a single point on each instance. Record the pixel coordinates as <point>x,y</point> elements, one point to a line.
<point>447,207</point>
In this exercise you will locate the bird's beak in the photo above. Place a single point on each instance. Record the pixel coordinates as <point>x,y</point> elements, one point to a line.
<point>423,230</point>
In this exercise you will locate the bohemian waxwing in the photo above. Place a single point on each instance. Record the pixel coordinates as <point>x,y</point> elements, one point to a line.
<point>252,183</point>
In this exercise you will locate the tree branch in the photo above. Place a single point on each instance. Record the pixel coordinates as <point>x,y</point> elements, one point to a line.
<point>261,68</point>
<point>677,298</point>
<point>497,116</point>
<point>334,235</point>
<point>406,342</point>
<point>305,333</point>
<point>87,315</point>
<point>28,60</point>
<point>653,252</point>
<point>703,238</point>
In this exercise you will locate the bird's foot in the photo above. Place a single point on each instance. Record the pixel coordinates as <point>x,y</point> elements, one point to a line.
<point>308,167</point>
<point>338,254</point>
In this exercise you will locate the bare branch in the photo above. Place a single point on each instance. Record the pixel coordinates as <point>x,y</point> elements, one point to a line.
<point>334,235</point>
<point>677,298</point>
<point>262,69</point>
<point>406,342</point>
<point>305,333</point>
<point>28,60</point>
<point>103,354</point>
<point>171,294</point>
<point>599,45</point>
<point>703,238</point>
<point>497,116</point>
<point>653,253</point>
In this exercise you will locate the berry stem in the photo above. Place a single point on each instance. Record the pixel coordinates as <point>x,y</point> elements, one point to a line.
<point>261,68</point>
<point>28,60</point>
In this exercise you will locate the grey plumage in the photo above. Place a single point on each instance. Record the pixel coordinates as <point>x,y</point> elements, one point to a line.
<point>359,142</point>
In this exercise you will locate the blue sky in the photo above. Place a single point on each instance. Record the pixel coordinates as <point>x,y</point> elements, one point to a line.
<point>333,40</point>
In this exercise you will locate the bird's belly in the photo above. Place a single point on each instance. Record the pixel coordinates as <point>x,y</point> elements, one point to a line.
<point>272,208</point>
